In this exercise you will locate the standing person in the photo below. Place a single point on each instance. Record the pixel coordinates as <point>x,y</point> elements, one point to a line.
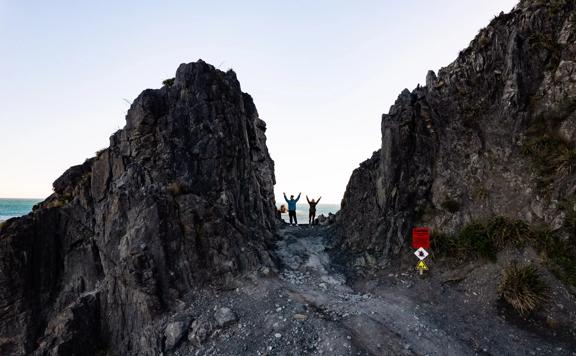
<point>292,207</point>
<point>312,211</point>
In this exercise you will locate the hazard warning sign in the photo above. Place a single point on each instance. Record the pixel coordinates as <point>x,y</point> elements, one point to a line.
<point>421,237</point>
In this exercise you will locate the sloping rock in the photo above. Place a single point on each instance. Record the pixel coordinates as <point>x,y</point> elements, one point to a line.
<point>491,134</point>
<point>183,196</point>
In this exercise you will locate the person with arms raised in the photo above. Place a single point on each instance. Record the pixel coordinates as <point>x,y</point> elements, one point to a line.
<point>292,207</point>
<point>312,210</point>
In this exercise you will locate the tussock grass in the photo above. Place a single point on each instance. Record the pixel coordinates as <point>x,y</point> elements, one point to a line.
<point>484,239</point>
<point>523,288</point>
<point>559,254</point>
<point>481,239</point>
<point>551,156</point>
<point>168,82</point>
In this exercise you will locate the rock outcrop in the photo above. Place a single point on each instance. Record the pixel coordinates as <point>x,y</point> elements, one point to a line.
<point>182,197</point>
<point>492,134</point>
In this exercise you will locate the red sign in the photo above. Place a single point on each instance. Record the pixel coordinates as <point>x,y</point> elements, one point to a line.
<point>420,237</point>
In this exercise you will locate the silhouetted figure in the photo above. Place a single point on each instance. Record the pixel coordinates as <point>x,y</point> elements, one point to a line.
<point>292,207</point>
<point>312,211</point>
<point>281,211</point>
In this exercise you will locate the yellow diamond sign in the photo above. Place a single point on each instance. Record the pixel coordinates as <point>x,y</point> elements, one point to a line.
<point>421,266</point>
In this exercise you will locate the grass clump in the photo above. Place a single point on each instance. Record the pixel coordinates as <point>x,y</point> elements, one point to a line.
<point>523,288</point>
<point>485,238</point>
<point>484,40</point>
<point>169,82</point>
<point>481,239</point>
<point>559,255</point>
<point>480,193</point>
<point>60,201</point>
<point>177,188</point>
<point>551,155</point>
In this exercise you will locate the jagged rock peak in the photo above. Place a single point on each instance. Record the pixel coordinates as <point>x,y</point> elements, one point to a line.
<point>182,197</point>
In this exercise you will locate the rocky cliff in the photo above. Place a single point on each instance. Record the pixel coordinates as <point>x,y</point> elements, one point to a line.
<point>493,134</point>
<point>182,197</point>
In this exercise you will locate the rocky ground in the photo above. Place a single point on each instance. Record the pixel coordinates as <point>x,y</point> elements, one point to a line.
<point>308,307</point>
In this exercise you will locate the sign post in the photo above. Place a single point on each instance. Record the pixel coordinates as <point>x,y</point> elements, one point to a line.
<point>421,242</point>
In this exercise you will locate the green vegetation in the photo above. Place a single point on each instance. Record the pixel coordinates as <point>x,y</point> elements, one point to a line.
<point>176,188</point>
<point>450,205</point>
<point>2,223</point>
<point>480,193</point>
<point>559,255</point>
<point>556,6</point>
<point>552,156</point>
<point>523,288</point>
<point>485,238</point>
<point>483,41</point>
<point>169,82</point>
<point>481,239</point>
<point>60,201</point>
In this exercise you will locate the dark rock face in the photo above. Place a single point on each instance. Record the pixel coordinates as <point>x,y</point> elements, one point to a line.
<point>492,134</point>
<point>183,196</point>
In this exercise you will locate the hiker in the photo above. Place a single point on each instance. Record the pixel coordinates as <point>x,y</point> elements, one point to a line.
<point>292,207</point>
<point>281,211</point>
<point>312,211</point>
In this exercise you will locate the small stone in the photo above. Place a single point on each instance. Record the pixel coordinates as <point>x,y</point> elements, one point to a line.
<point>224,316</point>
<point>174,333</point>
<point>300,317</point>
<point>277,335</point>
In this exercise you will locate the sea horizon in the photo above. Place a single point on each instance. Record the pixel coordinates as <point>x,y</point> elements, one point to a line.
<point>16,207</point>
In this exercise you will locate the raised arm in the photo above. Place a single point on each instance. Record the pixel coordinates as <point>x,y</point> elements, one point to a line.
<point>285,198</point>
<point>299,194</point>
<point>308,200</point>
<point>318,201</point>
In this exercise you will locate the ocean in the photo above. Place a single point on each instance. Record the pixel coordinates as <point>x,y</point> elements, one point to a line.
<point>302,211</point>
<point>11,208</point>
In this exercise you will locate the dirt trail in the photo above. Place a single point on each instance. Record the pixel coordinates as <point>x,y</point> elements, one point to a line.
<point>397,319</point>
<point>383,324</point>
<point>310,309</point>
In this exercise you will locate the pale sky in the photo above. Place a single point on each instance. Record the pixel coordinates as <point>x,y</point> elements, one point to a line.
<point>321,74</point>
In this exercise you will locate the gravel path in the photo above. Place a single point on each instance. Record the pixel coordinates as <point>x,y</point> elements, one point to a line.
<point>309,309</point>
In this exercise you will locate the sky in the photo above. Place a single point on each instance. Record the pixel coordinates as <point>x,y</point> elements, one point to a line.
<point>321,74</point>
